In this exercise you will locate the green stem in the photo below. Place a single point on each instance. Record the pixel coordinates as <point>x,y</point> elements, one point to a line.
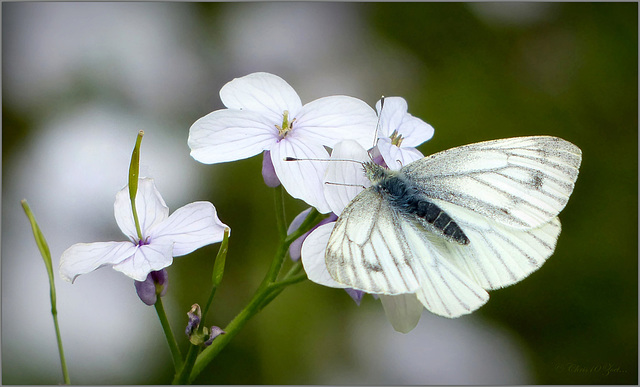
<point>231,330</point>
<point>295,269</point>
<point>263,295</point>
<point>63,362</point>
<point>278,287</point>
<point>280,216</point>
<point>276,264</point>
<point>208,304</point>
<point>312,218</point>
<point>183,376</point>
<point>288,281</point>
<point>171,340</point>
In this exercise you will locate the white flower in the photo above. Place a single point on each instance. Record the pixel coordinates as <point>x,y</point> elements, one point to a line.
<point>404,310</point>
<point>163,236</point>
<point>400,132</point>
<point>264,113</point>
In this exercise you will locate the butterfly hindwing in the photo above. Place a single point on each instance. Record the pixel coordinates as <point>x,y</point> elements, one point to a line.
<point>377,249</point>
<point>445,289</point>
<point>498,255</point>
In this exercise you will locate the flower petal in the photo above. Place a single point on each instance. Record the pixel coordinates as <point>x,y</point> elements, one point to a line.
<point>83,258</point>
<point>189,228</point>
<point>395,157</point>
<point>302,179</point>
<point>356,295</point>
<point>394,116</point>
<point>261,92</point>
<point>329,120</point>
<point>150,207</point>
<point>227,135</point>
<point>346,178</point>
<point>403,311</point>
<point>313,250</point>
<point>146,259</point>
<point>414,131</point>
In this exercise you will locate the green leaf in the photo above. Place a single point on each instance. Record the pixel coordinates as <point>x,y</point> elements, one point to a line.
<point>46,256</point>
<point>40,240</point>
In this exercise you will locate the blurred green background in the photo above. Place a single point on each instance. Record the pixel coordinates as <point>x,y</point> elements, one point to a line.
<point>80,79</point>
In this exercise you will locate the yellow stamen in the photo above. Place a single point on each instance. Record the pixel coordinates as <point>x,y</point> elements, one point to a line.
<point>396,138</point>
<point>286,125</point>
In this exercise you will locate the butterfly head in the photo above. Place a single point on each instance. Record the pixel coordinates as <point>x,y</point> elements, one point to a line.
<point>374,172</point>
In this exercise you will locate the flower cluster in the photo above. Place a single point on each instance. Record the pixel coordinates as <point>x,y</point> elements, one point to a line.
<point>264,114</point>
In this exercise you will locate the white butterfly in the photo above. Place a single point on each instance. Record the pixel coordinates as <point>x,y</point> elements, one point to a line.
<point>449,226</point>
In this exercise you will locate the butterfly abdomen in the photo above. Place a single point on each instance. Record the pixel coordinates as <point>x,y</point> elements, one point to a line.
<point>406,198</point>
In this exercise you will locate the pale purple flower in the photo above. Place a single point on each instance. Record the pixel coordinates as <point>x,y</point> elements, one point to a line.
<point>163,236</point>
<point>399,133</point>
<point>264,113</point>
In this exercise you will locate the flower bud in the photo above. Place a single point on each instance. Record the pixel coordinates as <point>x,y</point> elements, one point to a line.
<point>195,315</point>
<point>213,333</point>
<point>295,248</point>
<point>268,171</point>
<point>156,283</point>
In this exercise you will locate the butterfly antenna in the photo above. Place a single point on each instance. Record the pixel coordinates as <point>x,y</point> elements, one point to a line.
<point>297,159</point>
<point>345,184</point>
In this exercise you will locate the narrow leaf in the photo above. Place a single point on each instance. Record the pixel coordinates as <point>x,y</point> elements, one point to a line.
<point>40,240</point>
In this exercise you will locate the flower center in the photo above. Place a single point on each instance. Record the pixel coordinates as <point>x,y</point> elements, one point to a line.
<point>143,242</point>
<point>287,126</point>
<point>396,138</point>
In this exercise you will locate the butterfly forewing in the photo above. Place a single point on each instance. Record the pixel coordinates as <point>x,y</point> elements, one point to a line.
<point>521,182</point>
<point>366,250</point>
